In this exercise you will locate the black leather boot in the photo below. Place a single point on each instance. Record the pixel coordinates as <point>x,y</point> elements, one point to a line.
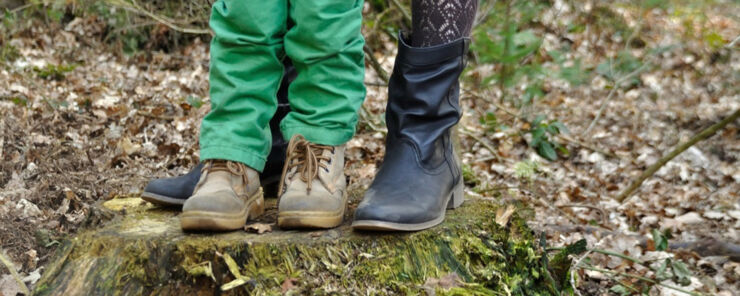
<point>175,190</point>
<point>420,176</point>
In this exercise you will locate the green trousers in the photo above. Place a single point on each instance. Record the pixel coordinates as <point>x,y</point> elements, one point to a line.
<point>252,37</point>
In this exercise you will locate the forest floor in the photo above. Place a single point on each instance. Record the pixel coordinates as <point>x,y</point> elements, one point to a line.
<point>83,123</point>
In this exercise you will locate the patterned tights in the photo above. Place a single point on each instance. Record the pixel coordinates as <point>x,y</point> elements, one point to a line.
<point>441,21</point>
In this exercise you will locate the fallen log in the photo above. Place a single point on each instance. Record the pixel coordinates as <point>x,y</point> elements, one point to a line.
<point>142,251</point>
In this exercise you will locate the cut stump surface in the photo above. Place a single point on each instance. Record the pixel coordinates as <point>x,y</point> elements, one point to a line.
<point>143,251</point>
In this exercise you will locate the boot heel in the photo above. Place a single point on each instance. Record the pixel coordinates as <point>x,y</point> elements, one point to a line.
<point>458,196</point>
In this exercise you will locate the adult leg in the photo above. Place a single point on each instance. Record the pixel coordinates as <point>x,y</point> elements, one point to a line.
<point>436,22</point>
<point>325,45</point>
<point>421,176</point>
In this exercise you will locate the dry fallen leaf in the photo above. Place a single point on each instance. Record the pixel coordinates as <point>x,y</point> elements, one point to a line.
<point>446,282</point>
<point>258,228</point>
<point>128,147</point>
<point>503,215</point>
<point>289,284</point>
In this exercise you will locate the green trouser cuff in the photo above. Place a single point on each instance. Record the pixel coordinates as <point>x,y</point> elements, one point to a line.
<point>251,159</point>
<point>319,135</point>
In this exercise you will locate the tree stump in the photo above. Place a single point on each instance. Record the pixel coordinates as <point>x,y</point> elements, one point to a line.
<point>142,251</point>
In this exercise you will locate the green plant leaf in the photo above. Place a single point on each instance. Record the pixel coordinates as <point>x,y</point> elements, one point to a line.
<point>546,150</point>
<point>661,241</point>
<point>661,272</point>
<point>196,102</point>
<point>560,263</point>
<point>560,126</point>
<point>681,273</point>
<point>620,290</point>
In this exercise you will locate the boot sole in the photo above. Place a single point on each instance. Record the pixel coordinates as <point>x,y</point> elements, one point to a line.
<point>215,221</point>
<point>313,219</point>
<point>455,200</point>
<point>161,200</point>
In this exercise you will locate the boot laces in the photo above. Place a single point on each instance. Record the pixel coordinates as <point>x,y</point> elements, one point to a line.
<point>307,158</point>
<point>236,168</point>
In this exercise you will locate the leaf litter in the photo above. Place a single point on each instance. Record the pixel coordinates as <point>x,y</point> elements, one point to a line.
<point>83,123</point>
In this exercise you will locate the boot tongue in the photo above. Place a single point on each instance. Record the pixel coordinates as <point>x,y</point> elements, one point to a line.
<point>217,181</point>
<point>218,178</point>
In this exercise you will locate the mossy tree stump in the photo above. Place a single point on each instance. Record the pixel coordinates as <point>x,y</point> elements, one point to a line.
<point>142,251</point>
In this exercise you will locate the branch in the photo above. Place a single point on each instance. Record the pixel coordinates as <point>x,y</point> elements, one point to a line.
<point>624,195</point>
<point>14,273</point>
<point>649,280</point>
<point>614,89</point>
<point>486,144</point>
<point>406,15</point>
<point>134,7</point>
<point>375,64</point>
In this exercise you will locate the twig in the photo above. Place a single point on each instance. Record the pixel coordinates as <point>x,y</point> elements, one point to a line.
<point>375,64</point>
<point>610,253</point>
<point>4,259</point>
<point>134,7</point>
<point>649,280</point>
<point>614,89</point>
<point>560,136</point>
<point>587,146</point>
<point>500,106</point>
<point>483,142</point>
<point>623,196</point>
<point>406,15</point>
<point>22,7</point>
<point>731,44</point>
<point>571,270</point>
<point>370,119</point>
<point>149,114</point>
<point>601,211</point>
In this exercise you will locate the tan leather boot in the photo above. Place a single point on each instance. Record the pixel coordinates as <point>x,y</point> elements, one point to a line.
<point>313,186</point>
<point>227,194</point>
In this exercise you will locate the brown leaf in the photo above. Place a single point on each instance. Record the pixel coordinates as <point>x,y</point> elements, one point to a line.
<point>446,282</point>
<point>258,228</point>
<point>503,215</point>
<point>128,147</point>
<point>289,284</point>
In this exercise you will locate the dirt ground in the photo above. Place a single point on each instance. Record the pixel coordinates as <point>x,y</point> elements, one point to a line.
<point>70,138</point>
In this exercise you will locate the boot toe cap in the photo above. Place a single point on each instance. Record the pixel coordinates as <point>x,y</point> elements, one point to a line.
<point>395,213</point>
<point>295,201</point>
<point>220,201</point>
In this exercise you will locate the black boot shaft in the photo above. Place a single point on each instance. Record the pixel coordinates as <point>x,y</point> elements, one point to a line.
<point>423,96</point>
<point>420,176</point>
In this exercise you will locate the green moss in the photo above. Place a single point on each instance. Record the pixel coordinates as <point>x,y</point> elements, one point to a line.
<point>157,258</point>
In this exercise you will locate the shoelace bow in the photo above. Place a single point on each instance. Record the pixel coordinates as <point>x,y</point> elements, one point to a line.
<point>233,167</point>
<point>307,157</point>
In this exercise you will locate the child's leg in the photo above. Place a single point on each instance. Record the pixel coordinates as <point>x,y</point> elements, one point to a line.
<point>325,45</point>
<point>246,69</point>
